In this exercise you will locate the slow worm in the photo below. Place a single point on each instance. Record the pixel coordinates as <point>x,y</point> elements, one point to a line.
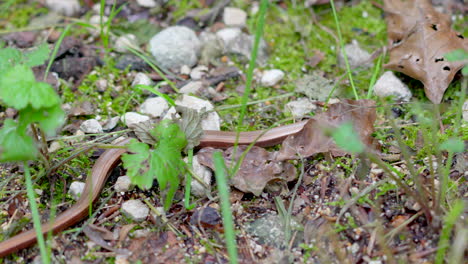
<point>111,158</point>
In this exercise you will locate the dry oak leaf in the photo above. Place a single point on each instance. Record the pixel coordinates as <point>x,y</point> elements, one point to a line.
<point>314,139</point>
<point>419,38</point>
<point>258,168</point>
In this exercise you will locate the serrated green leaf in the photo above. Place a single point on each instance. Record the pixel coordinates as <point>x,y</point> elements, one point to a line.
<point>15,83</point>
<point>168,166</point>
<point>169,133</point>
<point>15,143</point>
<point>163,163</point>
<point>347,139</point>
<point>138,165</point>
<point>454,145</point>
<point>9,57</point>
<point>18,89</point>
<point>37,56</point>
<point>49,119</point>
<point>456,55</point>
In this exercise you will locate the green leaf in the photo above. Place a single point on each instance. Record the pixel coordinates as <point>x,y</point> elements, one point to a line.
<point>465,71</point>
<point>456,55</point>
<point>346,138</point>
<point>15,83</point>
<point>167,158</point>
<point>454,145</point>
<point>169,134</point>
<point>49,119</point>
<point>9,57</point>
<point>163,163</point>
<point>15,144</point>
<point>18,89</point>
<point>137,164</point>
<point>38,56</point>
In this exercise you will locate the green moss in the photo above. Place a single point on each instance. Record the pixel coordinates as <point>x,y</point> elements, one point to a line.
<point>112,101</point>
<point>17,14</point>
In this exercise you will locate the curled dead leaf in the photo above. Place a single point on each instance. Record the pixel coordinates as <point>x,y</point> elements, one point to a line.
<point>419,37</point>
<point>313,138</point>
<point>258,168</point>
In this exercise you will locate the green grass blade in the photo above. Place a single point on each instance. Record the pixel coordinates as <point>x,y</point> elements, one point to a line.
<point>340,37</point>
<point>374,76</point>
<point>223,190</point>
<point>56,48</point>
<point>253,58</point>
<point>35,215</point>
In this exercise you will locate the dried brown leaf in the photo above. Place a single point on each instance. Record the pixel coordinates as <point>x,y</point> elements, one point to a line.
<point>420,37</point>
<point>258,168</point>
<point>313,138</point>
<point>143,132</point>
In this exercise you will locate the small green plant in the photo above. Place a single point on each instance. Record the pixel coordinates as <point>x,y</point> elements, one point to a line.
<point>163,162</point>
<point>39,114</point>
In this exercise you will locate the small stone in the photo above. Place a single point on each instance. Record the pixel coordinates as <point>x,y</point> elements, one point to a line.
<point>254,8</point>
<point>207,217</point>
<point>146,3</point>
<point>133,62</point>
<point>121,259</point>
<point>131,118</point>
<point>54,146</point>
<point>110,123</point>
<point>212,48</point>
<point>315,86</point>
<point>78,136</point>
<point>212,121</point>
<point>76,189</point>
<point>354,248</point>
<point>123,184</point>
<point>357,57</point>
<point>204,174</point>
<point>141,233</point>
<point>185,70</point>
<point>96,19</point>
<point>101,85</point>
<point>64,7</point>
<point>135,209</point>
<point>239,43</point>
<point>125,41</point>
<point>143,79</point>
<point>154,107</point>
<point>301,107</point>
<point>271,77</point>
<point>175,46</point>
<point>91,126</point>
<point>192,87</point>
<point>465,111</point>
<point>234,17</point>
<point>389,85</point>
<point>228,35</point>
<point>198,72</point>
